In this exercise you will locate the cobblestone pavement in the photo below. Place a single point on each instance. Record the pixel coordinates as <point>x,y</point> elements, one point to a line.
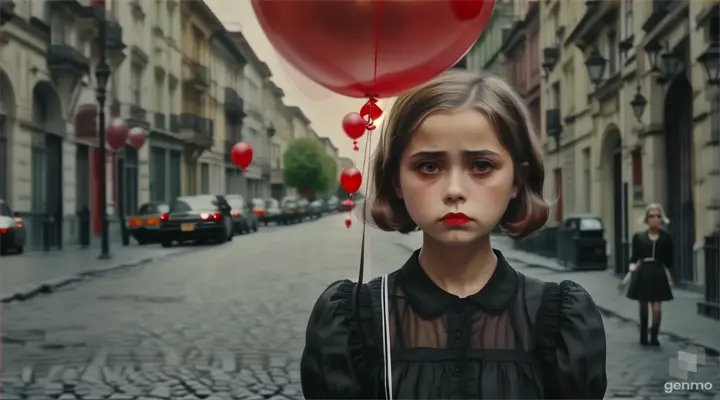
<point>229,324</point>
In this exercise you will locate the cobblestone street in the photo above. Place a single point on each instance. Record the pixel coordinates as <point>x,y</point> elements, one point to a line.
<point>228,322</point>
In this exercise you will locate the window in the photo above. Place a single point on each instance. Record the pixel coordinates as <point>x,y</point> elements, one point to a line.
<point>586,179</point>
<point>5,210</point>
<point>153,208</point>
<point>629,29</point>
<point>590,225</point>
<point>612,54</point>
<point>555,99</point>
<point>199,203</point>
<point>205,178</point>
<point>558,195</point>
<point>136,75</point>
<point>715,120</point>
<point>637,174</point>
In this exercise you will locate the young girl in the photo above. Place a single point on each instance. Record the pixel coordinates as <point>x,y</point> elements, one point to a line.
<point>651,263</point>
<point>458,157</point>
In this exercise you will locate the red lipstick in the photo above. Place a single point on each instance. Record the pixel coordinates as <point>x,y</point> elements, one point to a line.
<point>456,219</point>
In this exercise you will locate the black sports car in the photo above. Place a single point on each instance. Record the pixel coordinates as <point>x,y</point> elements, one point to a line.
<point>199,218</point>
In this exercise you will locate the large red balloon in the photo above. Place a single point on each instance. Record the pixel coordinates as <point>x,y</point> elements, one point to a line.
<point>241,155</point>
<point>351,179</point>
<point>381,48</point>
<point>116,133</point>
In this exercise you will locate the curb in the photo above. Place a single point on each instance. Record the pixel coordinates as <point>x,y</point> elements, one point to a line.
<point>51,286</point>
<point>711,351</point>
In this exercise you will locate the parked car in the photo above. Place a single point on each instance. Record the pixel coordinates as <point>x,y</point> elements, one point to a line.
<point>347,205</point>
<point>581,243</point>
<point>303,207</point>
<point>332,204</point>
<point>12,230</point>
<point>199,218</point>
<point>145,224</point>
<point>315,209</point>
<point>258,208</point>
<point>272,211</point>
<point>289,211</point>
<point>244,220</point>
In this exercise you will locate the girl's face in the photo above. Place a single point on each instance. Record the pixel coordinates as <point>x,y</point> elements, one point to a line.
<point>654,219</point>
<point>455,163</point>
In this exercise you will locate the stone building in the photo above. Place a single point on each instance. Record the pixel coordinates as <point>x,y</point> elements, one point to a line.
<point>631,118</point>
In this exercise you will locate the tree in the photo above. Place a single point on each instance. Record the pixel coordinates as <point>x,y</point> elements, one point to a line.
<point>305,167</point>
<point>331,175</point>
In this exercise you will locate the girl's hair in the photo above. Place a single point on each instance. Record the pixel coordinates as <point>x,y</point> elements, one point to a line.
<point>654,207</point>
<point>455,90</point>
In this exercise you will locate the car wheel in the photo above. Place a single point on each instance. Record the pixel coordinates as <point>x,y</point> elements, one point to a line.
<point>142,241</point>
<point>223,236</point>
<point>166,243</point>
<point>255,227</point>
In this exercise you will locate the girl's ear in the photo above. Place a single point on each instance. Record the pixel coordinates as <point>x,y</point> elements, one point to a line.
<point>520,177</point>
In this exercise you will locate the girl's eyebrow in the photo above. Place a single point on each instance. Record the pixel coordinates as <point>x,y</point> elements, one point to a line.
<point>468,153</point>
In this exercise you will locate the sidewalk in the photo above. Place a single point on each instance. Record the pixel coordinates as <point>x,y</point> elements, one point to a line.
<point>26,275</point>
<point>680,317</point>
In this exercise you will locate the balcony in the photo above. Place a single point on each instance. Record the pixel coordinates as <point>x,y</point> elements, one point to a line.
<point>553,123</point>
<point>160,122</point>
<point>199,76</point>
<point>197,130</point>
<point>234,104</point>
<point>7,11</point>
<point>659,11</point>
<point>114,34</point>
<point>138,115</point>
<point>175,123</point>
<point>66,59</point>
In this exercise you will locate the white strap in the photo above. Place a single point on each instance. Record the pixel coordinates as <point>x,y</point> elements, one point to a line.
<point>387,348</point>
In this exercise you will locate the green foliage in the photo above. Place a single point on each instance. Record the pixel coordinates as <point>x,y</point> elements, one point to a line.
<point>308,168</point>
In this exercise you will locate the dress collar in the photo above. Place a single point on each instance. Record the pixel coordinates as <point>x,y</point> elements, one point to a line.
<point>427,298</point>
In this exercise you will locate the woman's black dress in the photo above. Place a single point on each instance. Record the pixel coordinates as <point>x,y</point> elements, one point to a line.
<point>446,347</point>
<point>649,281</point>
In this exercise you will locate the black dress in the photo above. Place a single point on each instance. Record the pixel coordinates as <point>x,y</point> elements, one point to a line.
<point>649,281</point>
<point>446,347</point>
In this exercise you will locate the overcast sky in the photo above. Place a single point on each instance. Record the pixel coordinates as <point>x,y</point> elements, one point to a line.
<point>324,108</point>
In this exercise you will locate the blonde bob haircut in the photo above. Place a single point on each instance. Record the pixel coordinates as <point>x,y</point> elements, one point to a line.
<point>456,90</point>
<point>654,207</point>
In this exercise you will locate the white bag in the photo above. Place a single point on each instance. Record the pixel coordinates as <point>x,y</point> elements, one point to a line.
<point>387,349</point>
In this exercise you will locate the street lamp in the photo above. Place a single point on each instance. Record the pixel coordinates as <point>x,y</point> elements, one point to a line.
<point>653,50</point>
<point>638,104</point>
<point>550,56</point>
<point>595,65</point>
<point>710,59</point>
<point>672,64</point>
<point>271,130</point>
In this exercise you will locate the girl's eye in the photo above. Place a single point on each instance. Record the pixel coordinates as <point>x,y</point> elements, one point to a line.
<point>482,166</point>
<point>428,167</point>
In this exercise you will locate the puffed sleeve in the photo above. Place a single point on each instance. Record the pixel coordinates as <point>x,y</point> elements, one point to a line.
<point>580,346</point>
<point>331,360</point>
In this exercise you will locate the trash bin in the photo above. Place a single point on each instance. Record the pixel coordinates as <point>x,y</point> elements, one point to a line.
<point>581,243</point>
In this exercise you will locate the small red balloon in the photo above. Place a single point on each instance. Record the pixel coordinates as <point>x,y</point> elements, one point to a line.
<point>348,222</point>
<point>241,155</point>
<point>116,133</point>
<point>137,137</point>
<point>354,125</point>
<point>351,179</point>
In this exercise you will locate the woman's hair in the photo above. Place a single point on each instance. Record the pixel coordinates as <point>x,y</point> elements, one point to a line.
<point>510,117</point>
<point>654,207</point>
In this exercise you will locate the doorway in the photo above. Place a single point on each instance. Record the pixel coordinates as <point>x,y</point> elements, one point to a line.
<point>678,124</point>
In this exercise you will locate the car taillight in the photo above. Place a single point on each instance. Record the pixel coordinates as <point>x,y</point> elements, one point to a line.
<point>237,214</point>
<point>216,217</point>
<point>165,217</point>
<point>5,230</point>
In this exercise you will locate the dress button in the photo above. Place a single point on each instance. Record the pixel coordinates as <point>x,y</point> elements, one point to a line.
<point>457,369</point>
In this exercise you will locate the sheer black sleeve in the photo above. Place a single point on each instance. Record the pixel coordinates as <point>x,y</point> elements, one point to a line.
<point>580,346</point>
<point>635,256</point>
<point>332,360</point>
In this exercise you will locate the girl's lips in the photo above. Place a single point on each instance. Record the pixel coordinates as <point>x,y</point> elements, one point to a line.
<point>456,219</point>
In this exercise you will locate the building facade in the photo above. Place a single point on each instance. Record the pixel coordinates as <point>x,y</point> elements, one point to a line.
<point>48,55</point>
<point>631,152</point>
<point>486,56</point>
<point>300,123</point>
<point>279,141</point>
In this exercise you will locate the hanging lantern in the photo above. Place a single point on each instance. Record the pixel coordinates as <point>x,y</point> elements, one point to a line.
<point>117,133</point>
<point>137,137</point>
<point>638,104</point>
<point>595,65</point>
<point>710,60</point>
<point>241,155</point>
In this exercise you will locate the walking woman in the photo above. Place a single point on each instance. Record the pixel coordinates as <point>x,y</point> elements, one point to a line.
<point>457,157</point>
<point>650,264</point>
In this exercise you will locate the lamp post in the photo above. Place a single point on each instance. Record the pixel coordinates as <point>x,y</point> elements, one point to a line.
<point>595,65</point>
<point>102,74</point>
<point>638,104</point>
